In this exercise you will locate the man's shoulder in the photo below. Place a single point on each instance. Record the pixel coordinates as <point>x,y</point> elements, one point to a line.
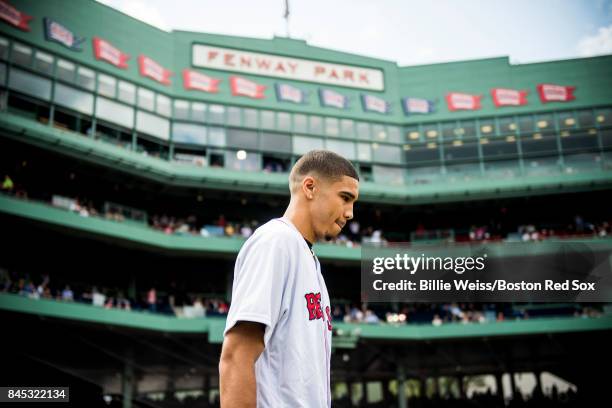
<point>274,232</point>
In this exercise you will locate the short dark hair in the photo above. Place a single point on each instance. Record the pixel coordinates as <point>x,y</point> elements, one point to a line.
<point>325,163</point>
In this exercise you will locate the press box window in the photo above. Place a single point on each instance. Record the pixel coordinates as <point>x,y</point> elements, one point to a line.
<point>181,110</point>
<point>198,112</point>
<point>43,63</point>
<point>216,114</point>
<point>146,99</point>
<point>250,118</point>
<point>163,105</point>
<point>127,92</point>
<point>107,85</point>
<point>4,44</point>
<point>22,55</point>
<point>65,71</point>
<point>86,78</point>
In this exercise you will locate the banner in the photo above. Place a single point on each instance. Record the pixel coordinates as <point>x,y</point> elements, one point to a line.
<point>151,69</point>
<point>461,101</point>
<point>58,33</point>
<point>243,87</point>
<point>417,105</point>
<point>200,82</point>
<point>333,99</point>
<point>375,104</point>
<point>13,16</point>
<point>288,93</point>
<point>508,97</point>
<point>556,93</point>
<point>287,68</point>
<point>105,51</point>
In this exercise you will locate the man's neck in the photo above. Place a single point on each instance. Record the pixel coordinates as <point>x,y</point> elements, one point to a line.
<point>300,222</point>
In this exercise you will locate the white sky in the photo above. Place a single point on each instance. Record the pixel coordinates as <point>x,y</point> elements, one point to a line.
<point>409,32</point>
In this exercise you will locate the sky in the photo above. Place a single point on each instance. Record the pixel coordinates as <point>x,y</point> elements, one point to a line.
<point>408,32</point>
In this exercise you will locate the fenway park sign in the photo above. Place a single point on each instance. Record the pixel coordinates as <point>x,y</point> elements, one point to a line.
<point>277,66</point>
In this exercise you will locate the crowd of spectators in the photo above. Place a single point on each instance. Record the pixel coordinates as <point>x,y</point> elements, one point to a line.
<point>353,235</point>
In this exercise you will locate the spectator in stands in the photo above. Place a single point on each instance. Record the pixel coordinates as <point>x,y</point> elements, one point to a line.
<point>67,294</point>
<point>152,300</point>
<point>7,185</point>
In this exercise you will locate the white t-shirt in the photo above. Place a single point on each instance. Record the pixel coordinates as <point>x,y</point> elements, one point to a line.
<point>278,282</point>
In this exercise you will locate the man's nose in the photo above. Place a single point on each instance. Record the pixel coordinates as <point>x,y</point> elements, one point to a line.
<point>348,214</point>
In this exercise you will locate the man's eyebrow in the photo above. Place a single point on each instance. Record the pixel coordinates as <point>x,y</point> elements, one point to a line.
<point>351,195</point>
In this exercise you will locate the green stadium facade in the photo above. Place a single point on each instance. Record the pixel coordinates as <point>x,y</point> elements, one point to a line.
<point>215,113</point>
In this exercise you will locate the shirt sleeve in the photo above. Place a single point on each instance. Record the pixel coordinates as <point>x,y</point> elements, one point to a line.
<point>260,280</point>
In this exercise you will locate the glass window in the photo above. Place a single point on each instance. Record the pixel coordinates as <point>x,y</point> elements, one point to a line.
<point>242,139</point>
<point>127,92</point>
<point>566,120</point>
<point>604,117</point>
<point>462,172</point>
<point>413,134</point>
<point>539,143</point>
<point>487,128</point>
<point>106,85</point>
<point>250,118</point>
<point>431,132</point>
<point>539,166</point>
<point>65,70</point>
<point>364,152</point>
<point>304,144</point>
<point>332,127</point>
<point>586,119</point>
<point>576,163</point>
<point>198,111</point>
<point>216,136</point>
<point>2,79</point>
<point>115,112</point>
<point>152,125</point>
<point>234,116</point>
<point>181,109</point>
<point>188,133</point>
<point>388,175</point>
<point>267,120</point>
<point>394,134</point>
<point>86,78</point>
<point>507,125</point>
<point>146,99</point>
<point>497,148</point>
<point>467,129</point>
<point>33,85</point>
<point>216,114</point>
<point>422,153</point>
<point>43,63</point>
<point>459,150</point>
<point>284,121</point>
<point>74,99</point>
<point>163,105</point>
<point>363,131</point>
<point>342,147</point>
<point>450,131</point>
<point>545,121</point>
<point>379,132</point>
<point>606,138</point>
<point>347,128</point>
<point>316,124</point>
<point>386,153</point>
<point>579,141</point>
<point>525,123</point>
<point>275,142</point>
<point>4,44</point>
<point>423,175</point>
<point>22,55</point>
<point>300,123</point>
<point>245,161</point>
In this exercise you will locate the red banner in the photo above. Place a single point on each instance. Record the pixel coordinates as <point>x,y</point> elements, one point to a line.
<point>508,97</point>
<point>150,68</point>
<point>556,93</point>
<point>461,101</point>
<point>105,51</point>
<point>200,82</point>
<point>13,16</point>
<point>244,87</point>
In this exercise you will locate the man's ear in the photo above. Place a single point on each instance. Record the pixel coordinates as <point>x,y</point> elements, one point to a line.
<point>308,187</point>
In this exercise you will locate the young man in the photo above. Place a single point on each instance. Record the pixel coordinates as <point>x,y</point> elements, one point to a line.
<point>277,346</point>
